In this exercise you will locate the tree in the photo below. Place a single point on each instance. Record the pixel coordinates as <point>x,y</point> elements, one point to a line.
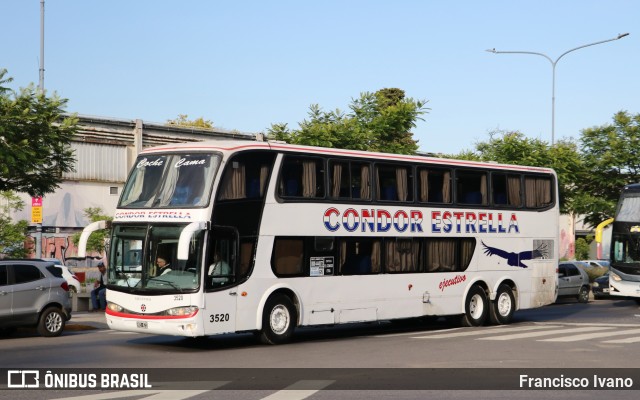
<point>183,120</point>
<point>35,139</point>
<point>582,249</point>
<point>611,160</point>
<point>97,239</point>
<point>513,147</point>
<point>12,235</point>
<point>380,121</point>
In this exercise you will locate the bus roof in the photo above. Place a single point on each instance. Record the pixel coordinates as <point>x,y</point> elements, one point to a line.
<point>232,146</point>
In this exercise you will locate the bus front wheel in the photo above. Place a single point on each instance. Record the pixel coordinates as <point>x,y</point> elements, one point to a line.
<point>476,307</point>
<point>278,320</point>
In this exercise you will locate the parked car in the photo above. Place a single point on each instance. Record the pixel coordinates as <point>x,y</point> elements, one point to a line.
<point>596,263</point>
<point>573,281</point>
<point>72,279</point>
<point>601,287</point>
<point>33,293</point>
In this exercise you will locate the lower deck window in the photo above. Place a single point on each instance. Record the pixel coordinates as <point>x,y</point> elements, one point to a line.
<point>302,256</point>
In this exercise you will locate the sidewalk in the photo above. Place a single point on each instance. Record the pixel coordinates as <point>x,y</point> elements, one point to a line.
<point>84,320</point>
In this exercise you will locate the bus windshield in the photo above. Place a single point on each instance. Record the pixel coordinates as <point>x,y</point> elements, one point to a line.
<point>170,180</point>
<point>629,208</point>
<point>144,259</point>
<point>626,247</point>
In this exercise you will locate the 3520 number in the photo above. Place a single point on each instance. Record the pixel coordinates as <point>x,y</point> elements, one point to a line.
<point>218,317</point>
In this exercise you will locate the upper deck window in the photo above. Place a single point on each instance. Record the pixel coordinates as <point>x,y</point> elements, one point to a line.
<point>471,187</point>
<point>538,191</point>
<point>350,180</point>
<point>394,183</point>
<point>301,177</point>
<point>170,180</point>
<point>434,185</point>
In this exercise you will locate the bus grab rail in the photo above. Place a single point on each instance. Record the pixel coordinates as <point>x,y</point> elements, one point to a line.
<point>185,238</point>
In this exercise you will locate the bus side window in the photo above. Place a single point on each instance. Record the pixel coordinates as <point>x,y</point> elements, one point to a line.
<point>360,257</point>
<point>246,254</point>
<point>471,187</point>
<point>287,257</point>
<point>302,178</point>
<point>434,185</point>
<point>537,191</point>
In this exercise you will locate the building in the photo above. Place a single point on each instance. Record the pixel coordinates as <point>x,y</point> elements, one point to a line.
<point>105,150</point>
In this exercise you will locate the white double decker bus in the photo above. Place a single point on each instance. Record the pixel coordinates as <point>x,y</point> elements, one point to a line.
<point>267,237</point>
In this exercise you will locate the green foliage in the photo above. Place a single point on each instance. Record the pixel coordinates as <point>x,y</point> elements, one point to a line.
<point>582,249</point>
<point>611,160</point>
<point>183,120</point>
<point>380,121</point>
<point>97,239</point>
<point>35,139</point>
<point>513,147</point>
<point>12,235</point>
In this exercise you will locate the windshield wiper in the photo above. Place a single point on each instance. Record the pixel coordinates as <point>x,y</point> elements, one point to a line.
<point>164,281</point>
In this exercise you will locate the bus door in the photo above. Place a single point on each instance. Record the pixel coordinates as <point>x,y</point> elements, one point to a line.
<point>221,290</point>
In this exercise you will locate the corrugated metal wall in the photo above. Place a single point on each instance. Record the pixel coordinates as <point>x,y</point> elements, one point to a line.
<point>99,162</point>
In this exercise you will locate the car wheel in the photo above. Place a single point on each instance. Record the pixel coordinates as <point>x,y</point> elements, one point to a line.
<point>73,289</point>
<point>476,307</point>
<point>503,307</point>
<point>51,322</point>
<point>278,320</point>
<point>583,295</point>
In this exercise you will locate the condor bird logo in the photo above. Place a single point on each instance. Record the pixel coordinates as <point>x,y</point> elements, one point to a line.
<point>515,259</point>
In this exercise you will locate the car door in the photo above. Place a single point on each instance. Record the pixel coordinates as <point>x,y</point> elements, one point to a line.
<point>30,292</point>
<point>575,279</point>
<point>563,280</point>
<point>6,294</point>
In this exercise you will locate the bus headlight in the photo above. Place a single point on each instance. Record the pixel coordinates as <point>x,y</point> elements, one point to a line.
<point>615,277</point>
<point>114,307</point>
<point>183,311</point>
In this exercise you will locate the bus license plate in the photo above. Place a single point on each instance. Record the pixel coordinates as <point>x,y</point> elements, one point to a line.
<point>142,324</point>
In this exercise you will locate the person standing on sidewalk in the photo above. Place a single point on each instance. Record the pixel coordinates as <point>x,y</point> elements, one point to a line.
<point>99,293</point>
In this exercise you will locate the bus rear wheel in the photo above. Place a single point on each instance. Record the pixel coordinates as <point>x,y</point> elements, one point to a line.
<point>476,307</point>
<point>278,320</point>
<point>502,309</point>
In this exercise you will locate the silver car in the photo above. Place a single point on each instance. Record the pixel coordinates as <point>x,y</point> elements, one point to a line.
<point>33,293</point>
<point>573,281</point>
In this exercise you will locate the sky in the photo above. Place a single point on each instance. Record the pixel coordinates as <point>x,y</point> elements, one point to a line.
<point>248,64</point>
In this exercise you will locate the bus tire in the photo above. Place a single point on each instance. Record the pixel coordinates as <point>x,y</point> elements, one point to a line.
<point>51,322</point>
<point>278,320</point>
<point>476,307</point>
<point>503,307</point>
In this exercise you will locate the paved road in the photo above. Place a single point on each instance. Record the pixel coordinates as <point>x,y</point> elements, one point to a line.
<point>601,334</point>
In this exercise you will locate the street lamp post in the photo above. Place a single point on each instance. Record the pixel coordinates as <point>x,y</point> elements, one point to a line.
<point>553,72</point>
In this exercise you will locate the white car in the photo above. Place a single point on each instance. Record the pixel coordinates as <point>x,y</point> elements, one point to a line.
<point>71,278</point>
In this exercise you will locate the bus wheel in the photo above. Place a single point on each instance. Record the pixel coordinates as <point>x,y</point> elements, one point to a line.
<point>476,307</point>
<point>278,320</point>
<point>503,307</point>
